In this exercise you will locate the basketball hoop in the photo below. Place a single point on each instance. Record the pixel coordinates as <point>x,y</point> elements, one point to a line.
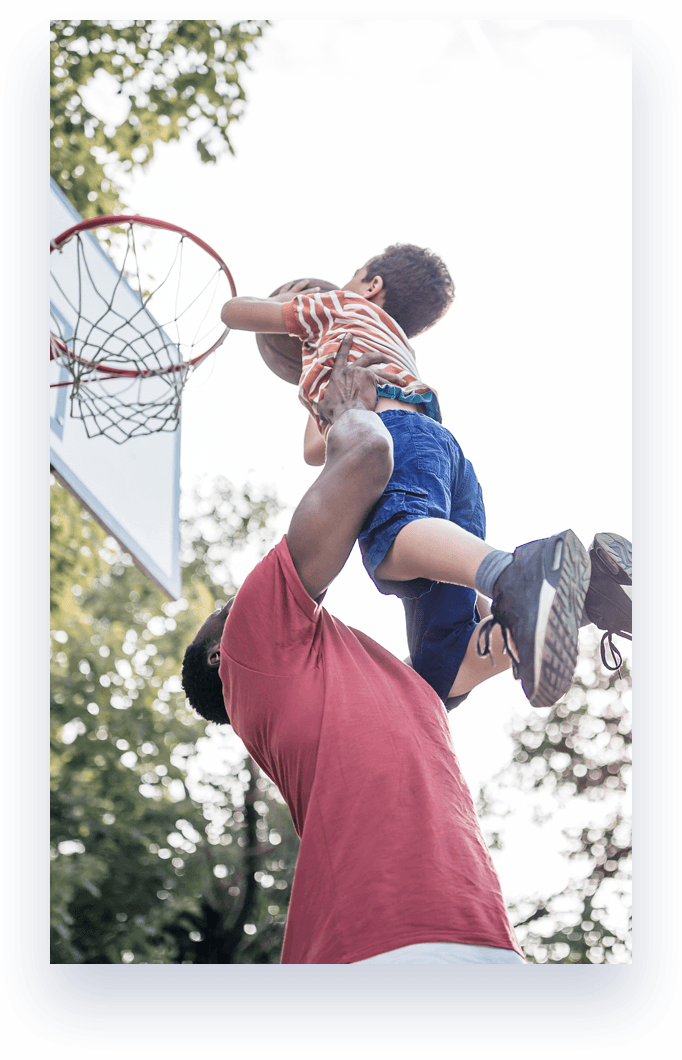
<point>130,325</point>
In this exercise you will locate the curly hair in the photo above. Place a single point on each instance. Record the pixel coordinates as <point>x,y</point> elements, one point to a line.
<point>418,286</point>
<point>202,684</point>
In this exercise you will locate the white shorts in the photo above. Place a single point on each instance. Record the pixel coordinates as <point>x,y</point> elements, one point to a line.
<point>445,953</point>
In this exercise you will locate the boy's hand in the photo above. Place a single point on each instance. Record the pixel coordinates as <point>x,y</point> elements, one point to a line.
<point>291,289</point>
<point>352,386</point>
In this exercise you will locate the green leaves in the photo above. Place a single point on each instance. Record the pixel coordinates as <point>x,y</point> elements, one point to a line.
<point>574,764</point>
<point>117,88</point>
<point>155,858</point>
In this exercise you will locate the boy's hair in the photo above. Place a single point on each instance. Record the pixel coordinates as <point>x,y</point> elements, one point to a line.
<point>202,684</point>
<point>419,288</point>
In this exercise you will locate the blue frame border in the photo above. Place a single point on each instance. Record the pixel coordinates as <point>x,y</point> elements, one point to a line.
<point>261,1006</point>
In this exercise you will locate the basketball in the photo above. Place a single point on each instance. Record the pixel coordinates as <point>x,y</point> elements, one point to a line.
<point>282,353</point>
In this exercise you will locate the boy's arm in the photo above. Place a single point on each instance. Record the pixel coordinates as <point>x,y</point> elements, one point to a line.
<point>262,315</point>
<point>314,445</point>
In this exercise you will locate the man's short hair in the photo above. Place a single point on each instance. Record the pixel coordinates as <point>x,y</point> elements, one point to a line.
<point>202,684</point>
<point>418,286</point>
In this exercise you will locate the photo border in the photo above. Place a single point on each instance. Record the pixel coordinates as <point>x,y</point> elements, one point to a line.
<point>302,1006</point>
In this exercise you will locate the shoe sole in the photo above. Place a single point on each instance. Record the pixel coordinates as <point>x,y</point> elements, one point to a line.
<point>556,632</point>
<point>609,606</point>
<point>616,554</point>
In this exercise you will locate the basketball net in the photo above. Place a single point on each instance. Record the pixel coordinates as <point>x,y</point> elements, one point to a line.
<point>129,326</point>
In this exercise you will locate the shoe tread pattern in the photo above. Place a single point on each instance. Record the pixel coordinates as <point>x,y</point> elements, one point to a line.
<point>618,550</point>
<point>560,649</point>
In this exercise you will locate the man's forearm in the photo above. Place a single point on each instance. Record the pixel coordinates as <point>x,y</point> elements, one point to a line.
<point>263,315</point>
<point>359,463</point>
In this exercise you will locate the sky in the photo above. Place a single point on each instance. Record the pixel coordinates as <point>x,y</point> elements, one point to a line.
<point>504,146</point>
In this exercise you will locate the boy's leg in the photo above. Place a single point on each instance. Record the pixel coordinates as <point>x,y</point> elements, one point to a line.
<point>440,616</point>
<point>608,605</point>
<point>475,668</point>
<point>435,549</point>
<point>409,539</point>
<point>538,597</point>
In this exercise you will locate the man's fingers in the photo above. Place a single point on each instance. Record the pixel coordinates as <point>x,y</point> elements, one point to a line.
<point>384,376</point>
<point>370,358</point>
<point>341,359</point>
<point>365,361</point>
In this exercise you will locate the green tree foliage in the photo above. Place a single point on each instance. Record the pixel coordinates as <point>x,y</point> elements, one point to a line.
<point>119,87</point>
<point>574,761</point>
<point>168,844</point>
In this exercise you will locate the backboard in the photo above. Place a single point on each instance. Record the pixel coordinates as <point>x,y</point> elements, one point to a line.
<point>132,489</point>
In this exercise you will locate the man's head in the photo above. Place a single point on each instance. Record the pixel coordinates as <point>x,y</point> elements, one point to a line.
<point>200,677</point>
<point>411,284</point>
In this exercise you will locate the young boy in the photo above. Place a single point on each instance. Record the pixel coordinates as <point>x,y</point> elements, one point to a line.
<point>424,539</point>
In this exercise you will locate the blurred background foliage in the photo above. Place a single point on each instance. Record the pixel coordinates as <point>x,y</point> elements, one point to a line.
<point>573,765</point>
<point>118,87</point>
<point>168,844</point>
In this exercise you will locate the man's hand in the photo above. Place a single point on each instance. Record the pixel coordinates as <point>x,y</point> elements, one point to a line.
<point>352,386</point>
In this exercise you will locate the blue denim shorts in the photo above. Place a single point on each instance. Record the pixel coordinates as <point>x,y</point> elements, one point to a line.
<point>431,479</point>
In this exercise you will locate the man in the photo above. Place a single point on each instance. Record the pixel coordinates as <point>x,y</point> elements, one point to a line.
<point>392,866</point>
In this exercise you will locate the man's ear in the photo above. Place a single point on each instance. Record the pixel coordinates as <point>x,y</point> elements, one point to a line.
<point>376,285</point>
<point>213,656</point>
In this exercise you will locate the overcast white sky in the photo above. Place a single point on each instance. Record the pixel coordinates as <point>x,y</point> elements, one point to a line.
<point>505,147</point>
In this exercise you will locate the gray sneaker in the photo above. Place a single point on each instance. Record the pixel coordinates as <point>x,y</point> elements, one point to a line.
<point>609,598</point>
<point>538,602</point>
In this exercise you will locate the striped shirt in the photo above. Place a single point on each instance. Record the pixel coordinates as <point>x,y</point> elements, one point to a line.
<point>321,320</point>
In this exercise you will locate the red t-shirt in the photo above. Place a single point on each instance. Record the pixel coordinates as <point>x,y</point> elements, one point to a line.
<point>391,852</point>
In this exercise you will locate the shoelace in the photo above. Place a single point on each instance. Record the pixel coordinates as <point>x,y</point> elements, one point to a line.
<point>485,630</point>
<point>615,654</point>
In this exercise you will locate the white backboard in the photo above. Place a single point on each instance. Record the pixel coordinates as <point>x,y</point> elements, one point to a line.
<point>132,488</point>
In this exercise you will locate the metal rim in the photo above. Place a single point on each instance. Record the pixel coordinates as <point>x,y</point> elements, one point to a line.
<point>109,221</point>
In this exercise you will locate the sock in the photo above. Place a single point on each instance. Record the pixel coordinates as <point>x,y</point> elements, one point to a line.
<point>490,569</point>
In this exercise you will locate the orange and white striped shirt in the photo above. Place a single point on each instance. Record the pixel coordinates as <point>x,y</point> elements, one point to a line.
<point>321,320</point>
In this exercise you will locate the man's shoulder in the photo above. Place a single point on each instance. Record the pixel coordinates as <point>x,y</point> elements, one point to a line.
<point>273,623</point>
<point>271,594</point>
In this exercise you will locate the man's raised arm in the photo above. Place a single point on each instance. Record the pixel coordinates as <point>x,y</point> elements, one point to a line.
<point>359,464</point>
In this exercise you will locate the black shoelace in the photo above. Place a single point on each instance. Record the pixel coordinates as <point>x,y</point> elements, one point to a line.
<point>485,629</point>
<point>615,654</point>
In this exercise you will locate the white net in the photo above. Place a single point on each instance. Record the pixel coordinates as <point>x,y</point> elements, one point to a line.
<point>130,324</point>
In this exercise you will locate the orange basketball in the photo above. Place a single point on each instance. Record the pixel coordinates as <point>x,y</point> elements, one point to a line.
<point>282,353</point>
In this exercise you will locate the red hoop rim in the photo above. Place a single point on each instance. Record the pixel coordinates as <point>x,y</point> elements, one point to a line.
<point>108,221</point>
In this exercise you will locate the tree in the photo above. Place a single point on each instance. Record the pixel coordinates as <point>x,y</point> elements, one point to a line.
<point>168,844</point>
<point>576,761</point>
<point>157,855</point>
<point>119,87</point>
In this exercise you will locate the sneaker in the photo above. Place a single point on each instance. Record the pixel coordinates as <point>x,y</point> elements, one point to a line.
<point>609,598</point>
<point>538,603</point>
